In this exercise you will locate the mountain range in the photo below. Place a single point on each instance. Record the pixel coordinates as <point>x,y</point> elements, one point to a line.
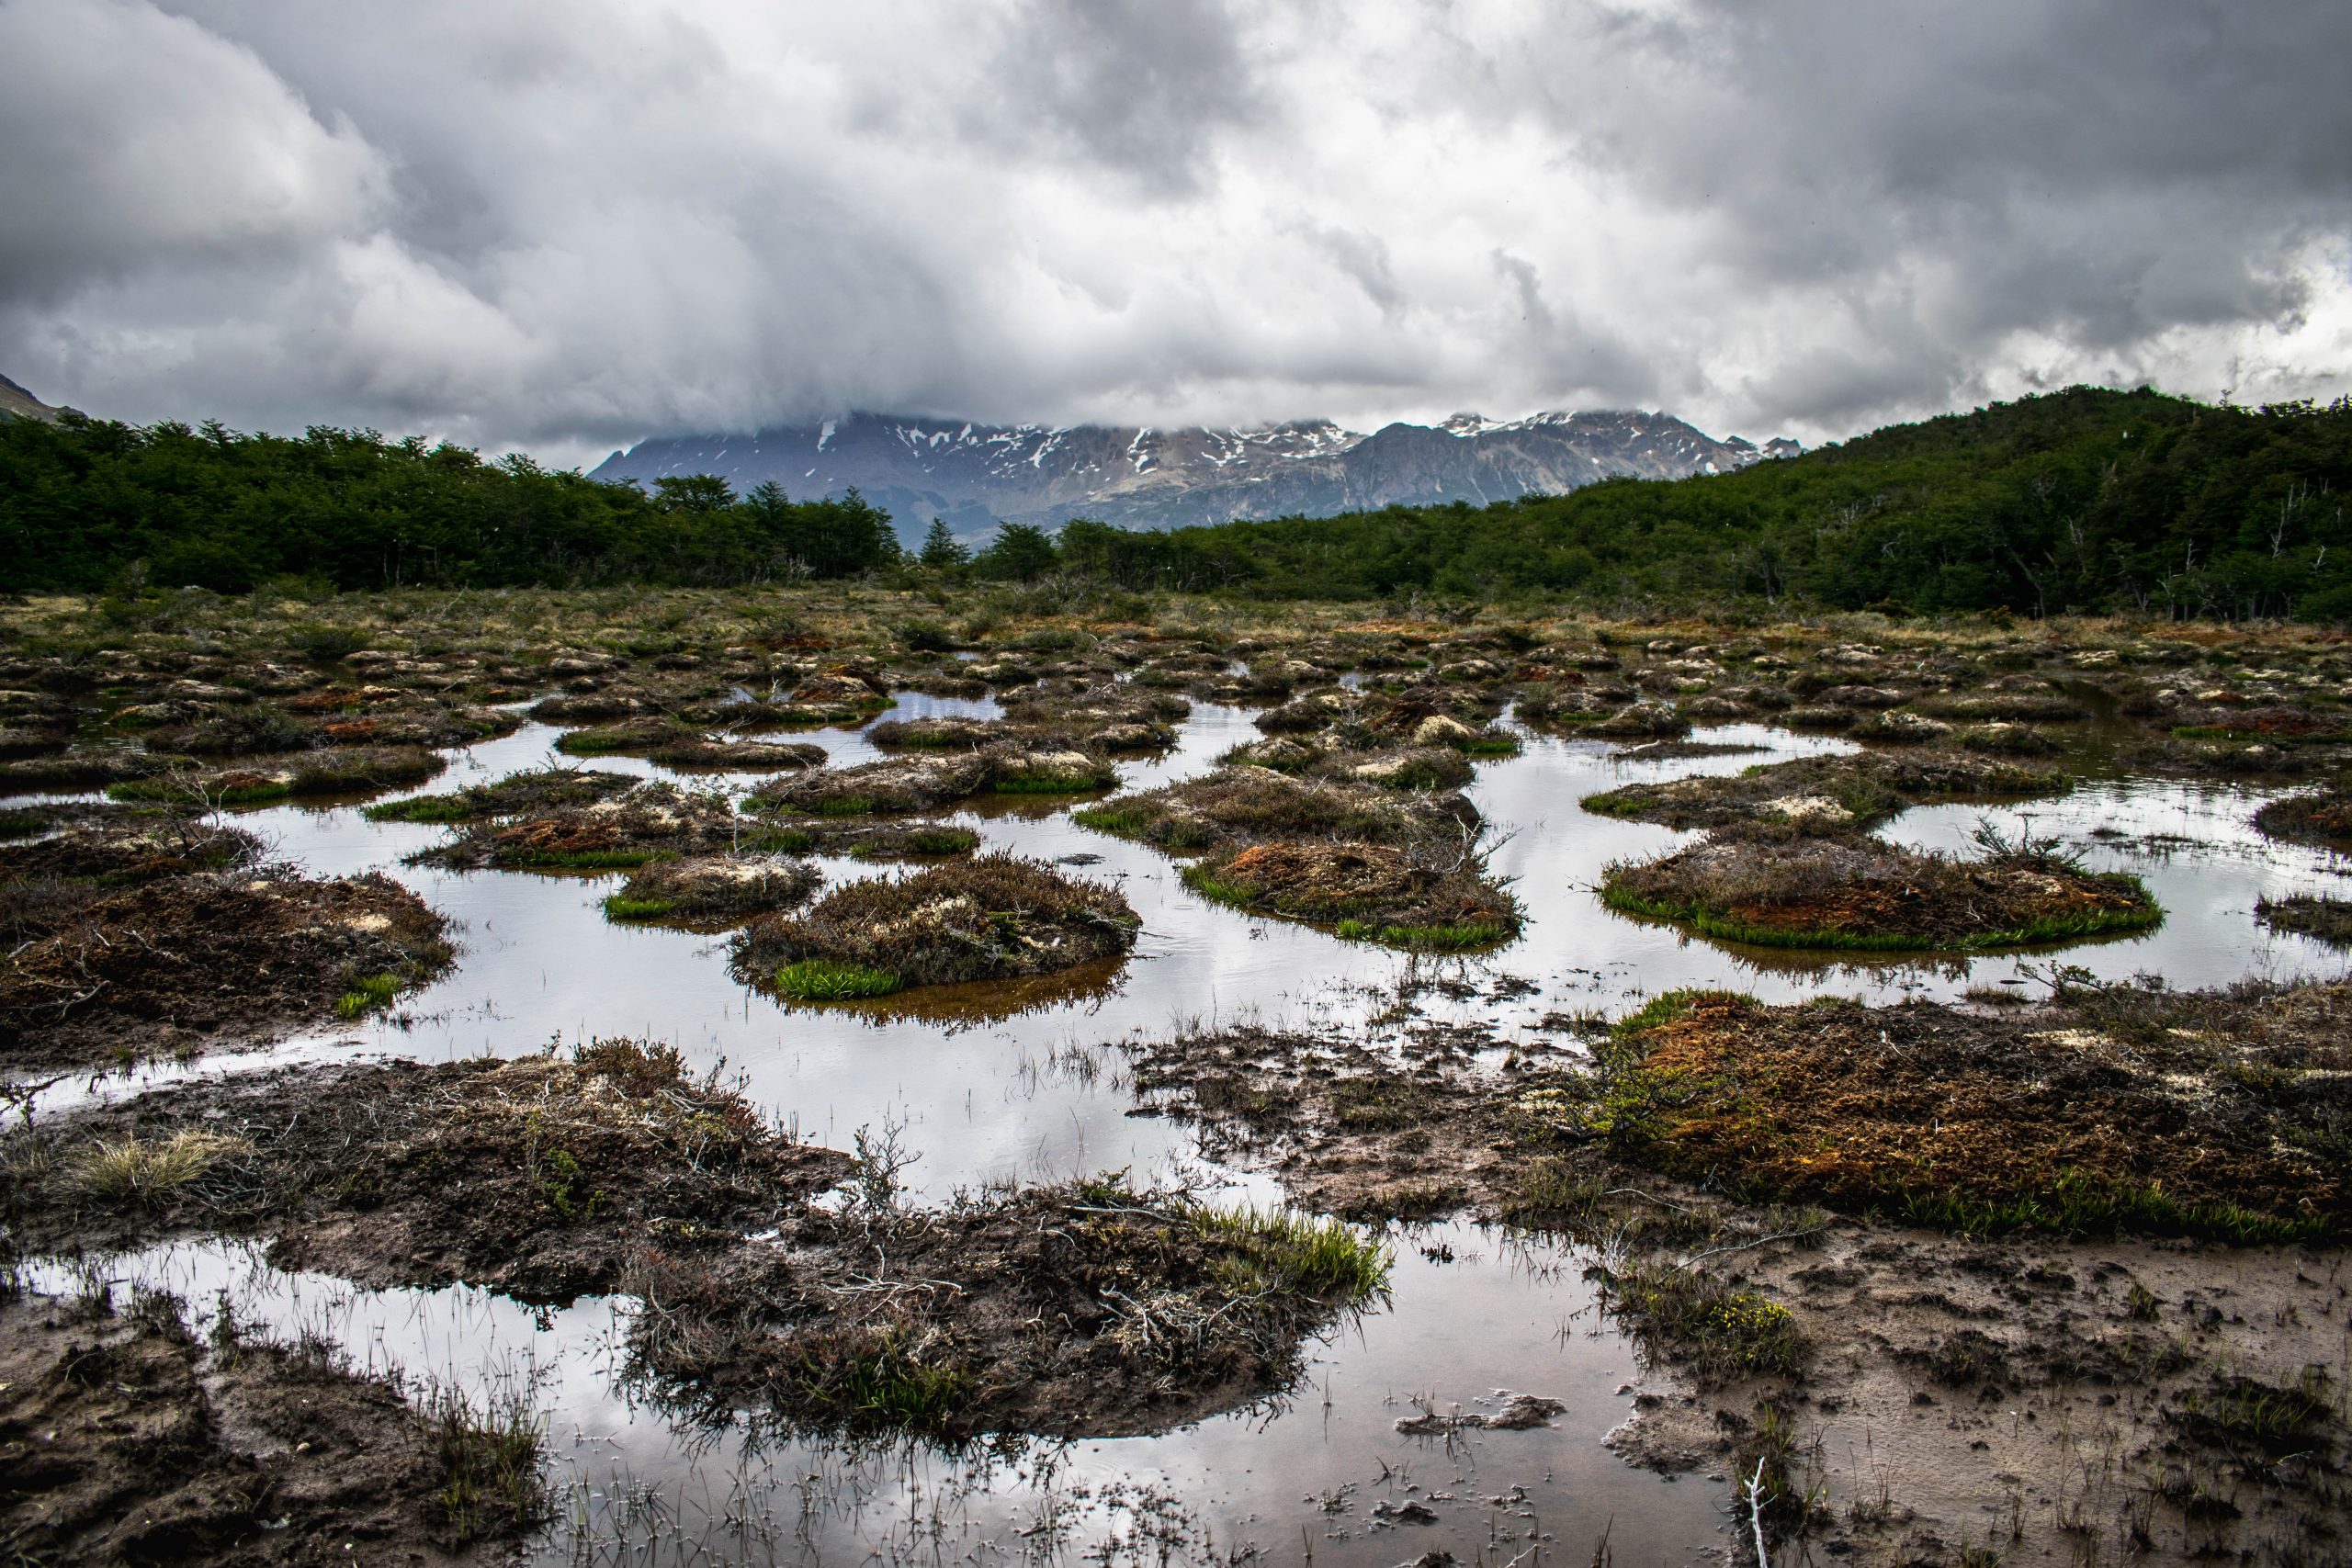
<point>978,475</point>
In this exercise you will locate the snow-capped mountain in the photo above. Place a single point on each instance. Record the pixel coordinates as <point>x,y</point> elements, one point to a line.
<point>977,476</point>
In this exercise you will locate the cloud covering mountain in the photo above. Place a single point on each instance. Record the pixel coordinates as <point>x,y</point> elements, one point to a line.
<point>575,228</point>
<point>975,476</point>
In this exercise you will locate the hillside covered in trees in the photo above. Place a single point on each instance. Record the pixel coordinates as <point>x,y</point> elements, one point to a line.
<point>2082,499</point>
<point>84,500</point>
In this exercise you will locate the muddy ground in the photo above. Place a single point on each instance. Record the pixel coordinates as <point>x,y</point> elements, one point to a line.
<point>1088,1309</point>
<point>187,963</point>
<point>539,1178</point>
<point>1085,1310</point>
<point>125,1438</point>
<point>2068,1362</point>
<point>2125,1336</point>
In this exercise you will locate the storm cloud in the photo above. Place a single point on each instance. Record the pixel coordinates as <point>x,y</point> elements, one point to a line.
<point>568,228</point>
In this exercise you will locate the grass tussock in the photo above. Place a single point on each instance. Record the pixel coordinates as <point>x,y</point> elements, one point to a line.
<point>2309,914</point>
<point>1720,1332</point>
<point>711,888</point>
<point>2077,1124</point>
<point>1824,794</point>
<point>993,917</point>
<point>1366,892</point>
<point>488,1455</point>
<point>1237,806</point>
<point>1857,893</point>
<point>148,1172</point>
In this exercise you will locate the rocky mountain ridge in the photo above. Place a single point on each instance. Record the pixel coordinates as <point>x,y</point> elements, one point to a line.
<point>17,403</point>
<point>977,476</point>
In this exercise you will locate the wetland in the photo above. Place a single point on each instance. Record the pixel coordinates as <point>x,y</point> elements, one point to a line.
<point>1014,1076</point>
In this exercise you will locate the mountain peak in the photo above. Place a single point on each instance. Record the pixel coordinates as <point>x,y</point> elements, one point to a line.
<point>17,403</point>
<point>978,475</point>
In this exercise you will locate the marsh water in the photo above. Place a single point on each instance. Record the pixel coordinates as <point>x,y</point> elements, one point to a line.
<point>984,1087</point>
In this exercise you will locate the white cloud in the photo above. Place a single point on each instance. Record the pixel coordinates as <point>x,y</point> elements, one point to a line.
<point>567,229</point>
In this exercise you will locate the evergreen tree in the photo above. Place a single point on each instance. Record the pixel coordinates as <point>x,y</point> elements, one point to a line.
<point>942,551</point>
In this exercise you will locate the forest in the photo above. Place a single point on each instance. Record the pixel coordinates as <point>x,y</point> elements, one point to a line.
<point>2085,500</point>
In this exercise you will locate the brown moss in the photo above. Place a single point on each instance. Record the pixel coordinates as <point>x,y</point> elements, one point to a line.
<point>996,917</point>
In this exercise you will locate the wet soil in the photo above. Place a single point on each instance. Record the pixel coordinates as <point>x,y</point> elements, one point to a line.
<point>2056,1390</point>
<point>123,1439</point>
<point>1086,1310</point>
<point>541,1178</point>
<point>200,962</point>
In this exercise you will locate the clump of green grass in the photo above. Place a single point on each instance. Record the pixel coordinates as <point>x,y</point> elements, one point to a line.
<point>1721,1332</point>
<point>2249,1417</point>
<point>488,1456</point>
<point>1307,1254</point>
<point>369,994</point>
<point>2076,1202</point>
<point>1120,821</point>
<point>1454,938</point>
<point>832,980</point>
<point>149,1171</point>
<point>873,1382</point>
<point>621,907</point>
<point>435,809</point>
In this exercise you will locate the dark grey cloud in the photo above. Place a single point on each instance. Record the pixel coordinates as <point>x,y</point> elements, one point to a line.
<point>1140,87</point>
<point>510,223</point>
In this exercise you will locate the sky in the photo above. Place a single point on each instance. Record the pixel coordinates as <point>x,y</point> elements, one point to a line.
<point>563,228</point>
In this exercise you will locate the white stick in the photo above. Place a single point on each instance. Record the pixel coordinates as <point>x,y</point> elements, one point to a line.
<point>1755,1514</point>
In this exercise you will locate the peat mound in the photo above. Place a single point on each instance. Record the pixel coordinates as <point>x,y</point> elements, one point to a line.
<point>262,781</point>
<point>993,917</point>
<point>538,1177</point>
<point>1824,794</point>
<point>1084,1310</point>
<point>1239,805</point>
<point>2179,1113</point>
<point>125,1439</point>
<point>678,745</point>
<point>701,889</point>
<point>626,829</point>
<point>1373,892</point>
<point>1856,891</point>
<point>212,959</point>
<point>537,790</point>
<point>2322,818</point>
<point>894,784</point>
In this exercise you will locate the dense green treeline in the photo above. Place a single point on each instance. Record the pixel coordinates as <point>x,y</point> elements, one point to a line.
<point>2084,499</point>
<point>81,503</point>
